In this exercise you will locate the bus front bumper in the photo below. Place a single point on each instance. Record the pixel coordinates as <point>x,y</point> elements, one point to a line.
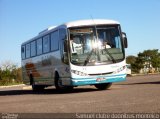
<point>97,80</point>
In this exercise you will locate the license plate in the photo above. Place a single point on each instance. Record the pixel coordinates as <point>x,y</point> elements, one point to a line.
<point>100,79</point>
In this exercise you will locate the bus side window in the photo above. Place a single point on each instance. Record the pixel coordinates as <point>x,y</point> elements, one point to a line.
<point>33,48</point>
<point>28,50</point>
<point>39,46</point>
<point>46,44</point>
<point>23,54</point>
<point>54,41</point>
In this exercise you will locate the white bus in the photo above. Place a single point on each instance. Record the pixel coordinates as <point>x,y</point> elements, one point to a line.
<point>85,52</point>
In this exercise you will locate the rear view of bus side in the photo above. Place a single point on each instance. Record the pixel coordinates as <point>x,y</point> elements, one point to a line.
<point>86,52</point>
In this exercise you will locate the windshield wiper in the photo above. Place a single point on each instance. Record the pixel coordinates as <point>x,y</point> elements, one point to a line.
<point>88,57</point>
<point>113,60</point>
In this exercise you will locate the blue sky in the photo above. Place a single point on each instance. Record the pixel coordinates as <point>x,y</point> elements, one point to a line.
<point>21,20</point>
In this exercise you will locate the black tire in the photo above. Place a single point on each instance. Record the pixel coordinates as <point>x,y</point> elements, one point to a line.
<point>37,87</point>
<point>103,86</point>
<point>34,86</point>
<point>59,86</point>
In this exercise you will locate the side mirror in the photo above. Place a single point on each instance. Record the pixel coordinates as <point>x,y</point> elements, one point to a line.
<point>124,38</point>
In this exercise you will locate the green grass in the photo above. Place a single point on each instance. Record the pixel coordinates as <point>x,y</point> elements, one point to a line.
<point>9,83</point>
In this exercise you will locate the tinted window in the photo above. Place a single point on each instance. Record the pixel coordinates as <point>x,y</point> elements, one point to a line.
<point>28,51</point>
<point>46,44</point>
<point>54,41</point>
<point>39,46</point>
<point>62,34</point>
<point>33,48</point>
<point>23,52</point>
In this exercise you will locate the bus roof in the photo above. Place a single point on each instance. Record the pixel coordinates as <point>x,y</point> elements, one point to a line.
<point>90,22</point>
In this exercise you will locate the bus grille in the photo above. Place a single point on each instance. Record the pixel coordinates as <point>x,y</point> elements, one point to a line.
<point>101,74</point>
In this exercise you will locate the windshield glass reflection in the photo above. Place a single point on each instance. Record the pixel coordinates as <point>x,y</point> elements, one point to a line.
<point>96,45</point>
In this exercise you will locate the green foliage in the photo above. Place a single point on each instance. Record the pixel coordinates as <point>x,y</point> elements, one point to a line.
<point>146,59</point>
<point>136,63</point>
<point>151,58</point>
<point>130,59</point>
<point>10,74</point>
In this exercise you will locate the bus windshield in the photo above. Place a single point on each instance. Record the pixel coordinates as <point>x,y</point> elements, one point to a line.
<point>95,45</point>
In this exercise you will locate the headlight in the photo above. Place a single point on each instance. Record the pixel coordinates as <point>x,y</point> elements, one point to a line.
<point>119,69</point>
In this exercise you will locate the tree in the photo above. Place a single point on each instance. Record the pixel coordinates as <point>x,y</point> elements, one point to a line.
<point>130,59</point>
<point>150,58</point>
<point>9,73</point>
<point>136,63</point>
<point>155,58</point>
<point>0,74</point>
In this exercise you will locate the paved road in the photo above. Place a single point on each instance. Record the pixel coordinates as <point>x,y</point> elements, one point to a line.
<point>140,94</point>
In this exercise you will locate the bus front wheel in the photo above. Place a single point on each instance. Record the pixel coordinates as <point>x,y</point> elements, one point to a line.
<point>103,86</point>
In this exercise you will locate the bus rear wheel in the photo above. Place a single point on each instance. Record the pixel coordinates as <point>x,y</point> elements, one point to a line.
<point>34,86</point>
<point>103,86</point>
<point>37,87</point>
<point>59,86</point>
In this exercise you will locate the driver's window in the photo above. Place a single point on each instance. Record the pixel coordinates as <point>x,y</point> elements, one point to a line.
<point>63,40</point>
